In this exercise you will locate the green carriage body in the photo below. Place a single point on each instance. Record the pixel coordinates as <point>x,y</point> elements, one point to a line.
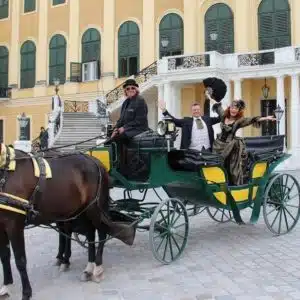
<point>205,187</point>
<point>191,187</point>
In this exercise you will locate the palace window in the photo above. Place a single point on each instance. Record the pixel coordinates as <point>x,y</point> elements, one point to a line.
<point>57,59</point>
<point>29,5</point>
<point>4,9</point>
<point>274,24</point>
<point>219,29</point>
<point>89,68</point>
<point>171,30</point>
<point>3,67</point>
<point>57,2</point>
<point>129,49</point>
<point>28,56</point>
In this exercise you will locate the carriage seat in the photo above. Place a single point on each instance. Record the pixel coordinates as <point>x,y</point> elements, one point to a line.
<point>264,147</point>
<point>216,178</point>
<point>191,160</point>
<point>148,139</point>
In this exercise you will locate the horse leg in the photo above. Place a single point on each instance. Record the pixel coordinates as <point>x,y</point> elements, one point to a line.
<point>17,240</point>
<point>88,272</point>
<point>67,249</point>
<point>61,245</point>
<point>98,270</point>
<point>5,259</point>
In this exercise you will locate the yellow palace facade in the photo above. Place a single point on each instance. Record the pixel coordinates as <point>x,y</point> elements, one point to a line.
<point>169,46</point>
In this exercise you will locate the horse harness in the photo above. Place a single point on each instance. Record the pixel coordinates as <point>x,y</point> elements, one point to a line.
<point>26,207</point>
<point>14,203</point>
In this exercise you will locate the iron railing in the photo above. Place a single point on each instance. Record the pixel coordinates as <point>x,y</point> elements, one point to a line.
<point>76,106</point>
<point>142,76</point>
<point>188,62</point>
<point>256,59</point>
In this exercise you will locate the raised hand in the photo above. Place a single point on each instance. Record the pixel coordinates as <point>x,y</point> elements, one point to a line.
<point>162,105</point>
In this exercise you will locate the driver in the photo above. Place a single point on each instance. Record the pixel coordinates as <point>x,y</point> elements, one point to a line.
<point>134,114</point>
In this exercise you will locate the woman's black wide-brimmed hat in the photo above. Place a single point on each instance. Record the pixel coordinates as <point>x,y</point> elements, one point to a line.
<point>218,87</point>
<point>130,82</point>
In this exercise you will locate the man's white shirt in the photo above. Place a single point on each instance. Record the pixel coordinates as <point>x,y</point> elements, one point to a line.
<point>200,137</point>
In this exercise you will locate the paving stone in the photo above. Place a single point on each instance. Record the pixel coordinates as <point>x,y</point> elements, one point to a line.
<point>221,261</point>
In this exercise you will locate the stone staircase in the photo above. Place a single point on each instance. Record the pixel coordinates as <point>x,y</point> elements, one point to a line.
<point>77,127</point>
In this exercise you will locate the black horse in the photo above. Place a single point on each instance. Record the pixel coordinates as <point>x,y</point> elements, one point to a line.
<point>79,186</point>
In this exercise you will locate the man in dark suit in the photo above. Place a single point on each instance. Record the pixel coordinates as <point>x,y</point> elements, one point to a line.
<point>133,118</point>
<point>197,131</point>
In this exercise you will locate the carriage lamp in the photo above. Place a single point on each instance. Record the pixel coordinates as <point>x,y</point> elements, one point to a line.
<point>56,82</point>
<point>213,36</point>
<point>278,112</point>
<point>166,128</point>
<point>265,90</point>
<point>23,121</point>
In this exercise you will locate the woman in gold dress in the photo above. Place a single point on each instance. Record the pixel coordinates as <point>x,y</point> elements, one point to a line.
<point>231,147</point>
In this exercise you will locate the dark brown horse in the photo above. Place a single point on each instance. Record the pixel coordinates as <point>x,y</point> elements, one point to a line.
<point>79,186</point>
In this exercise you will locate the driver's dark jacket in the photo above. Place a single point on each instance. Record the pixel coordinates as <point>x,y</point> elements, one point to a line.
<point>134,116</point>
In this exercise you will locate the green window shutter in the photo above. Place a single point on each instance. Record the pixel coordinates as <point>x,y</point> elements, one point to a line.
<point>4,8</point>
<point>128,49</point>
<point>219,20</point>
<point>91,45</point>
<point>57,2</point>
<point>29,5</point>
<point>171,27</point>
<point>3,67</point>
<point>28,65</point>
<point>57,59</point>
<point>274,24</point>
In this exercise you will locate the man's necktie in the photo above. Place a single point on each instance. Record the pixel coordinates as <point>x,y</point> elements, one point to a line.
<point>199,123</point>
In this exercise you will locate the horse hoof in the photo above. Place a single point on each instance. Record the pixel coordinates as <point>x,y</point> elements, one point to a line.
<point>57,263</point>
<point>4,291</point>
<point>98,274</point>
<point>86,276</point>
<point>64,267</point>
<point>98,278</point>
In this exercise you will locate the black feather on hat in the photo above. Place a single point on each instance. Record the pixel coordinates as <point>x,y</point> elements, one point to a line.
<point>240,104</point>
<point>130,82</point>
<point>218,87</point>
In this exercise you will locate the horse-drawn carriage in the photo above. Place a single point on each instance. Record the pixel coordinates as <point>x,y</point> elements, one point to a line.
<point>199,181</point>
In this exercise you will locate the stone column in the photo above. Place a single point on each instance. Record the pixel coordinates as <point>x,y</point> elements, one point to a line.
<point>190,22</point>
<point>108,44</point>
<point>295,114</point>
<point>237,89</point>
<point>227,99</point>
<point>14,53</point>
<point>280,101</point>
<point>176,109</point>
<point>41,61</point>
<point>168,96</point>
<point>148,35</point>
<point>160,93</point>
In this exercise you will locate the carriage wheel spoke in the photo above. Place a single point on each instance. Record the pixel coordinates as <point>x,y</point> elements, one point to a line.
<point>271,211</point>
<point>286,221</point>
<point>175,243</point>
<point>165,251</point>
<point>171,249</point>
<point>161,243</point>
<point>289,214</point>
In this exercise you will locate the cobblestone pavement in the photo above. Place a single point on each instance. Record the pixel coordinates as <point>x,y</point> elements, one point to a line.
<point>221,261</point>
